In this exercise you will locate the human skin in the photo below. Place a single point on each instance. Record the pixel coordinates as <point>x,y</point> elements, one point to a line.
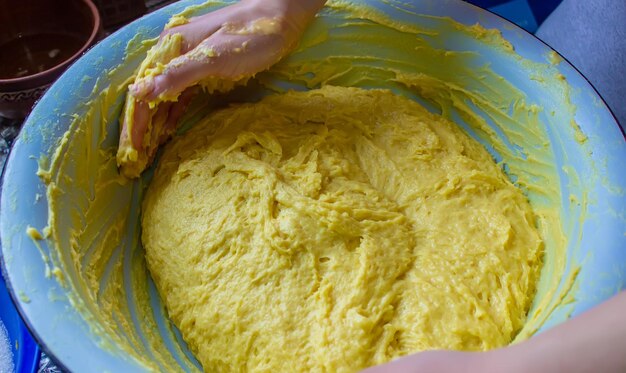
<point>215,30</point>
<point>594,341</point>
<point>300,214</point>
<point>238,51</point>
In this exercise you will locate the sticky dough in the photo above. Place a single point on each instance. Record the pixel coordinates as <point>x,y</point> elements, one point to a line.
<point>336,229</point>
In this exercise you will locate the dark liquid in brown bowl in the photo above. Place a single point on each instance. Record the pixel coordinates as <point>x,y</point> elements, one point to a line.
<point>32,54</point>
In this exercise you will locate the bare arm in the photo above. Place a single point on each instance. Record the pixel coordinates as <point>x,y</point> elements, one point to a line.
<point>594,341</point>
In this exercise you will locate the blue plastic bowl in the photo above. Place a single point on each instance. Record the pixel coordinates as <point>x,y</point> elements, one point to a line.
<point>25,349</point>
<point>79,343</point>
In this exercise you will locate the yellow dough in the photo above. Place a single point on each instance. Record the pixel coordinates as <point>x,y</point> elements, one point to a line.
<point>336,229</point>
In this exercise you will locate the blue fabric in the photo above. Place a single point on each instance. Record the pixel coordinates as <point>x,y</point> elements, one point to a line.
<point>528,14</point>
<point>518,12</point>
<point>591,34</point>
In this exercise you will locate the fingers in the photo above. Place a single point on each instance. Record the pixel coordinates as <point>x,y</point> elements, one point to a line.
<point>141,119</point>
<point>142,87</point>
<point>134,122</point>
<point>175,113</point>
<point>157,125</point>
<point>232,43</point>
<point>217,50</point>
<point>199,28</point>
<point>222,56</point>
<point>194,32</point>
<point>175,42</point>
<point>144,129</point>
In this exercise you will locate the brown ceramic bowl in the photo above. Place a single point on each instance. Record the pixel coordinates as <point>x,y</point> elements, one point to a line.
<point>38,40</point>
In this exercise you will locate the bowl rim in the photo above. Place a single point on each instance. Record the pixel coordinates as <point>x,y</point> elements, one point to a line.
<point>43,345</point>
<point>620,126</point>
<point>96,26</point>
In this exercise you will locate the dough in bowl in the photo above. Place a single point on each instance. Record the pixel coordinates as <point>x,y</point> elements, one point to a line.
<point>336,229</point>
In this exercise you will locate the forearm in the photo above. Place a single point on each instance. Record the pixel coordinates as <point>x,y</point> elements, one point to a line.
<point>594,341</point>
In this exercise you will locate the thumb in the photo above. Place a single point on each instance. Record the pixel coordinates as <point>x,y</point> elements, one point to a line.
<point>221,60</point>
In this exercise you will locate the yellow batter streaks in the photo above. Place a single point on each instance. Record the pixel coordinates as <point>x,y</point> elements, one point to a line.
<point>333,230</point>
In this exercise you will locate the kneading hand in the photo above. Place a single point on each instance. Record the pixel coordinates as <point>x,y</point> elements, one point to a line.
<point>215,51</point>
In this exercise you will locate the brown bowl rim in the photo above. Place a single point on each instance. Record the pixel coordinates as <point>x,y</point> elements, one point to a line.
<point>59,67</point>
